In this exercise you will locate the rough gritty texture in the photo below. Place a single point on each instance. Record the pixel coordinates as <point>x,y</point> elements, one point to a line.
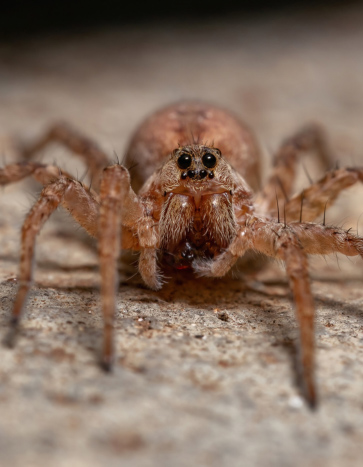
<point>205,370</point>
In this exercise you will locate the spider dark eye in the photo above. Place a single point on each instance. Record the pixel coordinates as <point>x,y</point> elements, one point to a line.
<point>209,160</point>
<point>184,161</point>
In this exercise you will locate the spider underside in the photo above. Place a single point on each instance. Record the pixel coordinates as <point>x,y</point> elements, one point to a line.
<point>194,209</point>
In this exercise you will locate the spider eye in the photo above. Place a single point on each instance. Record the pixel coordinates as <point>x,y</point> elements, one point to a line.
<point>209,160</point>
<point>184,161</point>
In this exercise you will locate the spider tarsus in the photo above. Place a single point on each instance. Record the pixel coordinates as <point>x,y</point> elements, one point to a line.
<point>107,364</point>
<point>309,391</point>
<point>312,400</point>
<point>9,340</point>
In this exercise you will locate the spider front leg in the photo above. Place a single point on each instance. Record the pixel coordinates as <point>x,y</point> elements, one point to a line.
<point>292,243</point>
<point>281,241</point>
<point>219,266</point>
<point>113,190</point>
<point>121,208</point>
<point>277,240</point>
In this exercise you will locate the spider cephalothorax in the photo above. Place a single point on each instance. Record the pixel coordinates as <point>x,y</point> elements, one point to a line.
<point>193,208</point>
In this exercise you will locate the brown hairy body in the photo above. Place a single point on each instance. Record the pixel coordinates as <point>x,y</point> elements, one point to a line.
<point>191,204</point>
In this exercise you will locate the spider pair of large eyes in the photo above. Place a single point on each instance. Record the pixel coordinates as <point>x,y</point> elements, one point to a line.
<point>185,160</point>
<point>209,160</point>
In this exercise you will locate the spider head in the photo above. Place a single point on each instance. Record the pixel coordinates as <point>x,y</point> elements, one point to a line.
<point>196,169</point>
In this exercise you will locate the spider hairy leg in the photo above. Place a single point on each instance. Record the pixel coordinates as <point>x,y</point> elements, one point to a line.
<point>149,270</point>
<point>292,243</point>
<point>83,207</point>
<point>289,249</point>
<point>217,267</point>
<point>112,191</point>
<point>319,239</point>
<point>312,201</point>
<point>44,174</point>
<point>120,207</point>
<point>79,200</point>
<point>280,183</point>
<point>49,200</point>
<point>281,241</point>
<point>278,240</point>
<point>95,159</point>
<point>101,217</point>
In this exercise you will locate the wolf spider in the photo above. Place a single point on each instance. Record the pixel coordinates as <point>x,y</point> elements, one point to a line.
<point>195,208</point>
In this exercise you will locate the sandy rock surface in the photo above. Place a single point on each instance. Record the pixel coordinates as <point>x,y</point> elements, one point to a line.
<point>205,371</point>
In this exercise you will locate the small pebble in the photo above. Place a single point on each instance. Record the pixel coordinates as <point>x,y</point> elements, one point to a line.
<point>295,402</point>
<point>223,316</point>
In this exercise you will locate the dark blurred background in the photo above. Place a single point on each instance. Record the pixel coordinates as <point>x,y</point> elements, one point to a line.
<point>19,18</point>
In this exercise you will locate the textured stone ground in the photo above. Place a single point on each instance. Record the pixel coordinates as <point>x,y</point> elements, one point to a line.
<point>205,370</point>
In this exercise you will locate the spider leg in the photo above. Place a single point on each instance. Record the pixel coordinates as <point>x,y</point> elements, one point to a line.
<point>319,239</point>
<point>149,270</point>
<point>138,229</point>
<point>78,199</point>
<point>219,266</point>
<point>112,191</point>
<point>281,241</point>
<point>120,207</point>
<point>289,249</point>
<point>280,182</point>
<point>117,207</point>
<point>84,209</point>
<point>44,174</point>
<point>312,201</point>
<point>291,243</point>
<point>93,156</point>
